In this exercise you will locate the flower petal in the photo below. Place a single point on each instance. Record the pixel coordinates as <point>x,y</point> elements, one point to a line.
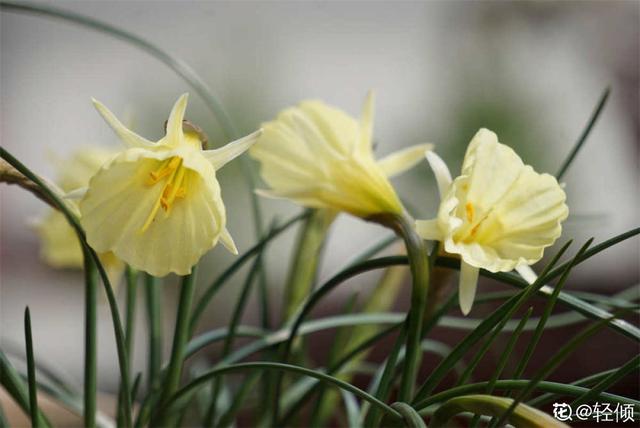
<point>174,123</point>
<point>467,286</point>
<point>441,172</point>
<point>220,157</point>
<point>339,131</point>
<point>429,229</point>
<point>492,169</point>
<point>364,144</point>
<point>527,219</point>
<point>403,160</point>
<point>127,136</point>
<point>527,273</point>
<point>227,241</point>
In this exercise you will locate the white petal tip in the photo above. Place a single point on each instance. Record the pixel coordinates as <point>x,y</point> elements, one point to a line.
<point>465,309</point>
<point>228,243</point>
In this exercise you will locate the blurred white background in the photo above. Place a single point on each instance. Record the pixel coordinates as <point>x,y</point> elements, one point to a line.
<point>532,72</point>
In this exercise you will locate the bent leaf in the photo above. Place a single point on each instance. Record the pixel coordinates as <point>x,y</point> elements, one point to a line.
<point>522,417</point>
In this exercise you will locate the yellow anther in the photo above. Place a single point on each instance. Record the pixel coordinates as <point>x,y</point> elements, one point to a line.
<point>469,211</point>
<point>173,188</point>
<point>166,168</point>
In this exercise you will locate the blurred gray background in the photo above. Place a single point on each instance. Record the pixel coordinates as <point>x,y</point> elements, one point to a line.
<point>532,72</point>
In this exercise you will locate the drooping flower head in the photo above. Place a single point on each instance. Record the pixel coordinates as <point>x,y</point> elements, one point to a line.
<point>320,157</point>
<point>157,205</point>
<point>498,215</point>
<point>60,247</point>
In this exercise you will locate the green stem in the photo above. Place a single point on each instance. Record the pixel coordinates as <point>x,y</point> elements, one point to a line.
<point>306,259</point>
<point>180,339</point>
<point>131,276</point>
<point>90,342</point>
<point>130,320</point>
<point>238,311</point>
<point>154,315</point>
<point>419,264</point>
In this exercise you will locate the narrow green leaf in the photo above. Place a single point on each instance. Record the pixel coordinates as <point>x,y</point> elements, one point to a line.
<point>131,276</point>
<point>226,419</point>
<point>382,383</point>
<point>180,339</point>
<point>211,290</point>
<point>502,362</point>
<point>16,388</point>
<point>311,301</point>
<point>523,416</point>
<point>545,316</point>
<point>551,365</point>
<point>90,342</point>
<point>519,384</point>
<point>340,342</point>
<point>153,299</point>
<point>236,316</point>
<point>632,365</point>
<point>585,381</point>
<point>500,315</point>
<point>4,423</point>
<point>306,259</point>
<point>71,402</point>
<point>351,408</point>
<point>411,418</point>
<point>420,273</point>
<point>386,380</point>
<point>201,381</point>
<point>585,133</point>
<point>31,370</point>
<point>304,394</point>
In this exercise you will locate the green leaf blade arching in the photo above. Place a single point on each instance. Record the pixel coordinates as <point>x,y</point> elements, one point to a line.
<point>523,416</point>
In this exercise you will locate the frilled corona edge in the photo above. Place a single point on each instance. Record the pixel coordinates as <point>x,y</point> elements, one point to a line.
<point>498,214</point>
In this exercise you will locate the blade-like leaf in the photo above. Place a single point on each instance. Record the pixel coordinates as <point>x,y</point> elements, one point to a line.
<point>585,133</point>
<point>199,382</point>
<point>523,416</point>
<point>14,385</point>
<point>212,289</point>
<point>632,365</point>
<point>503,313</point>
<point>519,384</point>
<point>31,371</point>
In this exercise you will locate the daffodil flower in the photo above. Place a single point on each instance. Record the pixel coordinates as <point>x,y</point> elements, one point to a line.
<point>157,205</point>
<point>60,247</point>
<point>320,157</point>
<point>498,215</point>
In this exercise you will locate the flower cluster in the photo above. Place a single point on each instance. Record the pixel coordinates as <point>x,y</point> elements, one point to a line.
<point>157,206</point>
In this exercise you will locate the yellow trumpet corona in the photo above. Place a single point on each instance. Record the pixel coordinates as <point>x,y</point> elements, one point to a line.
<point>157,205</point>
<point>320,157</point>
<point>498,215</point>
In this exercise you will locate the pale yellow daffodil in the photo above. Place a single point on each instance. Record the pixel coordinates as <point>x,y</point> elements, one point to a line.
<point>60,247</point>
<point>320,157</point>
<point>157,205</point>
<point>498,215</point>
